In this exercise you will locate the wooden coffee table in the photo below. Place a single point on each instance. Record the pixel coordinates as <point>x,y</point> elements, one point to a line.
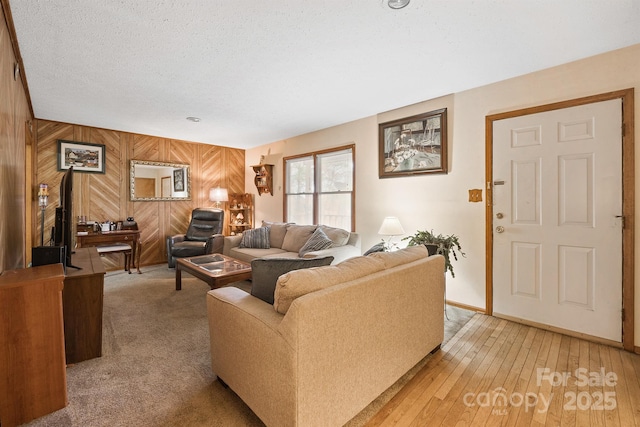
<point>215,269</point>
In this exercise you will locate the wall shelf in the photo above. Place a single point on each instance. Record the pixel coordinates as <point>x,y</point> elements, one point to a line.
<point>264,178</point>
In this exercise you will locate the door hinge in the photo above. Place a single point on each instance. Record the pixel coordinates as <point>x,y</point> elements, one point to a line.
<point>622,312</point>
<point>621,217</point>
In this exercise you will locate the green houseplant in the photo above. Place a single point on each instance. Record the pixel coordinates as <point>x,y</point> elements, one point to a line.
<point>441,244</point>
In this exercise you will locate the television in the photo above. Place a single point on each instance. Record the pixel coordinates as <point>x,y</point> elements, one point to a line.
<point>63,229</point>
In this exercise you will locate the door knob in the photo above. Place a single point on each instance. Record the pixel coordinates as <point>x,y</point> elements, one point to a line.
<point>499,229</point>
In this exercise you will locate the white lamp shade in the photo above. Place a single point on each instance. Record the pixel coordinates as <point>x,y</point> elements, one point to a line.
<point>218,195</point>
<point>391,227</point>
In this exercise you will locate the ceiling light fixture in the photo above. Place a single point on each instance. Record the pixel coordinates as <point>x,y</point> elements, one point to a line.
<point>193,119</point>
<point>397,4</point>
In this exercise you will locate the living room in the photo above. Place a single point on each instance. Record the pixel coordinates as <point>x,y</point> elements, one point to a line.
<point>439,201</point>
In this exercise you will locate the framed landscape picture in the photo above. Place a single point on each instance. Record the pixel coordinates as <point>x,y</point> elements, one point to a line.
<point>413,145</point>
<point>83,156</point>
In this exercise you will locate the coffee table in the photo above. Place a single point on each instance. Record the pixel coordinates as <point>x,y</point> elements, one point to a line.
<point>215,269</point>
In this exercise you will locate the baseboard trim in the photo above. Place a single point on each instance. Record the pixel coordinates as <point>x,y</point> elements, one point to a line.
<point>568,332</point>
<point>465,306</point>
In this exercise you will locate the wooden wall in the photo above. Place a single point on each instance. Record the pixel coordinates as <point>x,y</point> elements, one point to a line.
<point>102,197</point>
<point>15,170</point>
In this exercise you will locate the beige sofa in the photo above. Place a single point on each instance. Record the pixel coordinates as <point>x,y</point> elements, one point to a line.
<point>286,240</point>
<point>335,338</point>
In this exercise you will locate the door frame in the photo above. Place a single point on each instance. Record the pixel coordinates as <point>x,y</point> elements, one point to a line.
<point>628,197</point>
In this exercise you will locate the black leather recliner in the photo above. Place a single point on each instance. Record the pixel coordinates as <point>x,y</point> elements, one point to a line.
<point>204,236</point>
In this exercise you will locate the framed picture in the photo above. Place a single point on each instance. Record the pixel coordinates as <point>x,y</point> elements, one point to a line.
<point>413,145</point>
<point>83,156</point>
<point>178,179</point>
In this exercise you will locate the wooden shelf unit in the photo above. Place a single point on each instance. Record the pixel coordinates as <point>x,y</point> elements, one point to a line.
<point>240,204</point>
<point>264,178</point>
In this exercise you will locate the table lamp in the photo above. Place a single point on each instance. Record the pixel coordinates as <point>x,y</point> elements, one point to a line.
<point>390,227</point>
<point>218,195</point>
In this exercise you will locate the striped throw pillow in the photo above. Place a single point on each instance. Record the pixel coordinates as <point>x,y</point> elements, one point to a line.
<point>257,238</point>
<point>316,242</point>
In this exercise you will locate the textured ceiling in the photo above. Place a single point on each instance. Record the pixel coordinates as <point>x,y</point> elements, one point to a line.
<point>259,71</point>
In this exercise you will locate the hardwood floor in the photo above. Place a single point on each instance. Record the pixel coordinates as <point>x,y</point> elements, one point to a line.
<point>499,373</point>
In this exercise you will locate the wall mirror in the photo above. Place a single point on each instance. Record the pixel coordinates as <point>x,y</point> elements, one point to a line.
<point>151,181</point>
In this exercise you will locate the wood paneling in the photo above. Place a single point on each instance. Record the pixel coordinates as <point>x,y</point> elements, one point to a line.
<point>104,197</point>
<point>14,114</point>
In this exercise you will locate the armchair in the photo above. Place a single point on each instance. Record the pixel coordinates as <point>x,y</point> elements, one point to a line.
<point>204,236</point>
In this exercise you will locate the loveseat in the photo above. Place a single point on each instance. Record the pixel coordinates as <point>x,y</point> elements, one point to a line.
<point>335,338</point>
<point>285,240</point>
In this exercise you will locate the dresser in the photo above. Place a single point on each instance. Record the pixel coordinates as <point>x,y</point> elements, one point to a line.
<point>33,378</point>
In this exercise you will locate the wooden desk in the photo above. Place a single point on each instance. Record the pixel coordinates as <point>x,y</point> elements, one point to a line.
<point>82,300</point>
<point>33,377</point>
<point>130,237</point>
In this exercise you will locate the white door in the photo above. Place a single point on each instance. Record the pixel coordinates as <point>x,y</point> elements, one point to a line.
<point>557,237</point>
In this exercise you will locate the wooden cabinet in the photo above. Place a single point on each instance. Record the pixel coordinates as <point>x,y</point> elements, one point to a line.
<point>33,377</point>
<point>240,213</point>
<point>263,178</point>
<point>83,299</point>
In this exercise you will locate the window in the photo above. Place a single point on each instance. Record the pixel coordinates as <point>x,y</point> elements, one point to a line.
<point>319,188</point>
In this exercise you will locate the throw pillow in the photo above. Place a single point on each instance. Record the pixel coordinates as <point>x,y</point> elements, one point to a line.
<point>265,273</point>
<point>297,236</point>
<point>338,236</point>
<point>316,242</point>
<point>378,247</point>
<point>277,232</point>
<point>257,238</point>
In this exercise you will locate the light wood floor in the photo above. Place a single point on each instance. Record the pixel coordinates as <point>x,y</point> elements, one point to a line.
<point>499,373</point>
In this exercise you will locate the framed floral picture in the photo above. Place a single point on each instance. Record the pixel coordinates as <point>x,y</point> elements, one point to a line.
<point>413,145</point>
<point>178,180</point>
<point>83,156</point>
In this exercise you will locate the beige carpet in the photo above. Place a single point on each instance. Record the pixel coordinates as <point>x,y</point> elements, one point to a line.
<point>155,368</point>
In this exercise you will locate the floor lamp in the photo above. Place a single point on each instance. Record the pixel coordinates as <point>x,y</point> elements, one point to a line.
<point>43,201</point>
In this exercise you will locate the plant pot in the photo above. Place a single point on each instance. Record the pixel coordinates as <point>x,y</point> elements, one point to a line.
<point>433,249</point>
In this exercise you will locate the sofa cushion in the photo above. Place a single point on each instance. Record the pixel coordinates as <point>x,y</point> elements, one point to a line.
<point>301,282</point>
<point>316,242</point>
<point>402,256</point>
<point>257,238</point>
<point>297,236</point>
<point>278,230</point>
<point>248,254</point>
<point>265,273</point>
<point>338,236</point>
<point>188,248</point>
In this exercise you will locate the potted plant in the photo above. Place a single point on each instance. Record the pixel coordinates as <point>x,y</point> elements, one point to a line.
<point>438,244</point>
